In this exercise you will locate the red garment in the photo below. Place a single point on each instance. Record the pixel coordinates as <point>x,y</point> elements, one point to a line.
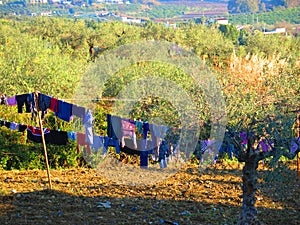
<point>37,131</point>
<point>54,104</point>
<point>81,142</point>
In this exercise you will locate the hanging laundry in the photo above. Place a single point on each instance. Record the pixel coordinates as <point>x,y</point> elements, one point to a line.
<point>112,143</point>
<point>128,131</point>
<point>72,135</point>
<point>57,137</point>
<point>14,126</point>
<point>78,111</point>
<point>88,126</point>
<point>82,142</point>
<point>3,99</point>
<point>264,146</point>
<point>243,135</point>
<point>110,131</point>
<point>162,154</point>
<point>7,124</point>
<point>35,134</point>
<point>129,146</point>
<point>173,136</point>
<point>12,101</point>
<point>31,101</point>
<point>64,110</point>
<point>98,142</point>
<point>158,130</point>
<point>21,100</point>
<point>294,146</point>
<point>162,131</point>
<point>54,104</point>
<point>144,159</point>
<point>146,129</point>
<point>22,127</point>
<point>114,127</point>
<point>139,126</point>
<point>44,102</point>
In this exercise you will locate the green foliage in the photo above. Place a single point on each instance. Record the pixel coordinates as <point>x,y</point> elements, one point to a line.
<point>230,32</point>
<point>52,54</point>
<point>16,152</point>
<point>243,6</point>
<point>290,16</point>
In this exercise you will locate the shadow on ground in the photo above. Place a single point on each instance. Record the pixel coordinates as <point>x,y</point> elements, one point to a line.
<point>81,196</point>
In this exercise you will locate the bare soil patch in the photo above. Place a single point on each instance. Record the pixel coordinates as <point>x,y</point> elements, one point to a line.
<point>84,196</point>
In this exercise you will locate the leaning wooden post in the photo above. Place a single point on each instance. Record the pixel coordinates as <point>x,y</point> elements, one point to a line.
<point>298,136</point>
<point>36,97</point>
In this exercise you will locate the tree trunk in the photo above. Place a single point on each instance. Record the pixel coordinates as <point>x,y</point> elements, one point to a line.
<point>248,215</point>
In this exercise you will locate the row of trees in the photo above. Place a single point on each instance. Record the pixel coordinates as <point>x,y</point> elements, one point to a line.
<point>253,6</point>
<point>258,75</point>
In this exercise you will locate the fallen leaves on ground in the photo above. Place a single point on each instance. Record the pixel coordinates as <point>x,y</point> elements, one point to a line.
<point>84,196</point>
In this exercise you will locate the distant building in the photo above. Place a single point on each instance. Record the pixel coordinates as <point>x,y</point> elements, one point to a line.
<point>170,24</point>
<point>38,1</point>
<point>48,13</point>
<point>130,20</point>
<point>277,31</point>
<point>222,21</point>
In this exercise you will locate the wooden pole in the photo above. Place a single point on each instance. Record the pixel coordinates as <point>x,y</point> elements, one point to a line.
<point>298,136</point>
<point>36,96</point>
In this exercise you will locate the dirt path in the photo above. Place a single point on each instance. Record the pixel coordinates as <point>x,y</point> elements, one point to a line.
<point>83,196</point>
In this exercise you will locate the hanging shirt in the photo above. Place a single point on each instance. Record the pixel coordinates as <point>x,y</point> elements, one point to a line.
<point>82,142</point>
<point>88,125</point>
<point>31,101</point>
<point>12,101</point>
<point>128,131</point>
<point>78,111</point>
<point>127,127</point>
<point>14,126</point>
<point>114,127</point>
<point>64,110</point>
<point>98,142</point>
<point>44,102</point>
<point>54,104</point>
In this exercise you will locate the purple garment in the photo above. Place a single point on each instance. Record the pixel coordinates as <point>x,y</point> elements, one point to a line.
<point>244,136</point>
<point>294,146</point>
<point>12,101</point>
<point>264,145</point>
<point>78,111</point>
